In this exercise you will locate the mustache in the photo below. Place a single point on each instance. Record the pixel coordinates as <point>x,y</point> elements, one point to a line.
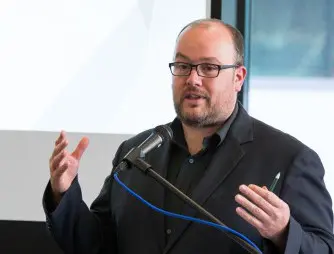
<point>195,91</point>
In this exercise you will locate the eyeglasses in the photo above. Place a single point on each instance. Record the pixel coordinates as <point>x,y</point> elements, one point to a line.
<point>204,69</point>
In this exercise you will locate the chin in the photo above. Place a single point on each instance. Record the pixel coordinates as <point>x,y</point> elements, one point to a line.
<point>192,118</point>
<point>193,114</point>
<point>190,115</point>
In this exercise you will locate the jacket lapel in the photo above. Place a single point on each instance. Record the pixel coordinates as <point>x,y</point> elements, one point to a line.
<point>224,161</point>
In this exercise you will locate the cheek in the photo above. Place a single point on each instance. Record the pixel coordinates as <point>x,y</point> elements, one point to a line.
<point>220,92</point>
<point>177,87</point>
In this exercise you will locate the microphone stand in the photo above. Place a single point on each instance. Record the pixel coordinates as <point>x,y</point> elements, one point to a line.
<point>148,170</point>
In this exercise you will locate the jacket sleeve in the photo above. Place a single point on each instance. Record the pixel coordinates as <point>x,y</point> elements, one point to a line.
<point>311,222</point>
<point>75,227</point>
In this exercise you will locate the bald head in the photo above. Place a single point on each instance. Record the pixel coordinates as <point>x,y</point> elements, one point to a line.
<point>225,30</point>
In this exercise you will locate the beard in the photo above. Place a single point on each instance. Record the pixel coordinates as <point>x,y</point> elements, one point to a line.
<point>209,116</point>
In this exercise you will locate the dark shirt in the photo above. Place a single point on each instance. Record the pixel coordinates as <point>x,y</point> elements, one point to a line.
<point>186,170</point>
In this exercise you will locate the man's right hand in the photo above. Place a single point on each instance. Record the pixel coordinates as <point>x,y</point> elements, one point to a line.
<point>64,165</point>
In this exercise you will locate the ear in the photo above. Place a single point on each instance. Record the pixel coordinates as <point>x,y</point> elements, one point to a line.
<point>239,77</point>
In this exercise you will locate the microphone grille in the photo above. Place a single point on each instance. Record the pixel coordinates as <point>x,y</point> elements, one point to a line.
<point>164,131</point>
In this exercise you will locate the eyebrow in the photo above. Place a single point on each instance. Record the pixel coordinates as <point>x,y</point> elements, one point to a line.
<point>180,55</point>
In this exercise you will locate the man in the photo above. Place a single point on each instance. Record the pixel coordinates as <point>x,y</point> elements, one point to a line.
<point>220,156</point>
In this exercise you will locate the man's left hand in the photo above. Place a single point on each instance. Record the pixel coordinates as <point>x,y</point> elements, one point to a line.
<point>265,211</point>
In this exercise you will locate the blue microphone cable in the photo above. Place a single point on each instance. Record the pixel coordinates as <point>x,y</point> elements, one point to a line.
<point>184,217</point>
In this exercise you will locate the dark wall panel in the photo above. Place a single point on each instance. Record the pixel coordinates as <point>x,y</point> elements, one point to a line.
<point>26,237</point>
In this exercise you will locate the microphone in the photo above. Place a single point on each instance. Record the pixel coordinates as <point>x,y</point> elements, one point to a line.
<point>159,135</point>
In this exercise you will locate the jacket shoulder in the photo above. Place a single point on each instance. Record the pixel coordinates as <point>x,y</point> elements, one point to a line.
<point>271,136</point>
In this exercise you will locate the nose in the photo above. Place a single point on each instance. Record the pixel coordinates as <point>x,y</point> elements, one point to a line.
<point>193,78</point>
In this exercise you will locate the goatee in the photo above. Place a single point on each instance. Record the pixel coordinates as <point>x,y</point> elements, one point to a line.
<point>202,120</point>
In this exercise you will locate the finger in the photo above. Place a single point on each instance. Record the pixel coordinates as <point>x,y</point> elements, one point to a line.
<point>249,218</point>
<point>60,138</point>
<point>252,208</point>
<point>257,199</point>
<point>59,171</point>
<point>55,162</point>
<point>60,147</point>
<point>269,196</point>
<point>265,187</point>
<point>81,147</point>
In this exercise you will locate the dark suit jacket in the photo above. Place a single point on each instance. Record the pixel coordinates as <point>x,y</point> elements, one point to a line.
<point>252,152</point>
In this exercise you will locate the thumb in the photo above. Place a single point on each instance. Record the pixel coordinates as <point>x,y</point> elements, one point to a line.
<point>81,147</point>
<point>264,187</point>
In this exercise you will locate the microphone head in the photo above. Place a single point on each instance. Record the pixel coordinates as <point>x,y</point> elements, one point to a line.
<point>164,131</point>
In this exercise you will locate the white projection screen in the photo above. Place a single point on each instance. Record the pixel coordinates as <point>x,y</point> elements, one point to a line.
<point>94,68</point>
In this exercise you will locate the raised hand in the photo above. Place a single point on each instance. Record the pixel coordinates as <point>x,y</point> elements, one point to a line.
<point>64,165</point>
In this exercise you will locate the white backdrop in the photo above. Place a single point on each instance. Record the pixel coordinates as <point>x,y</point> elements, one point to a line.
<point>89,66</point>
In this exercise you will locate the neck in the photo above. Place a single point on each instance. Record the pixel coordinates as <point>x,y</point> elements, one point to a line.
<point>194,136</point>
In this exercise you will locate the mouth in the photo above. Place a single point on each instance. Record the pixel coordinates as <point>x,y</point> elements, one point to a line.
<point>194,97</point>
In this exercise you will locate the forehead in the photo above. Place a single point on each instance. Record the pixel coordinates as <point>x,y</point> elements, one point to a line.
<point>205,41</point>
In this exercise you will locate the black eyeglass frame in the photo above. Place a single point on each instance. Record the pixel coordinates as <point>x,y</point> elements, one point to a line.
<point>220,67</point>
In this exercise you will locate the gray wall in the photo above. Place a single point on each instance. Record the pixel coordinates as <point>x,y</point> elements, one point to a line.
<point>24,169</point>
